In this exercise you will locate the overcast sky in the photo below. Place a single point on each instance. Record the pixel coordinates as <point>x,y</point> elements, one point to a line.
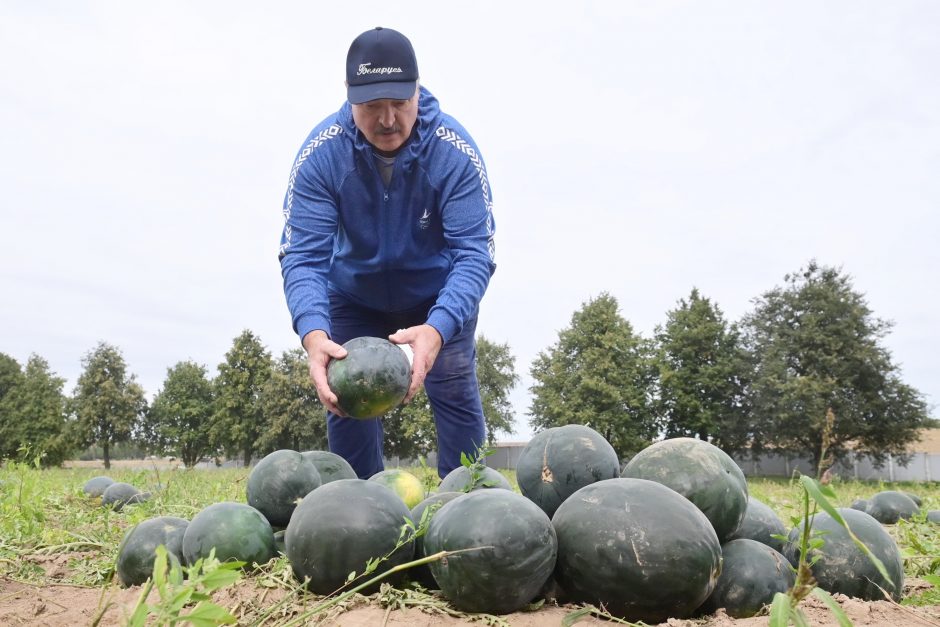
<point>638,148</point>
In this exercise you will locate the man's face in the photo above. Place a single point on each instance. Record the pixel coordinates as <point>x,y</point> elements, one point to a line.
<point>386,123</point>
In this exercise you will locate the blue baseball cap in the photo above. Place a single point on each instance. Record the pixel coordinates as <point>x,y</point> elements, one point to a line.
<point>381,63</point>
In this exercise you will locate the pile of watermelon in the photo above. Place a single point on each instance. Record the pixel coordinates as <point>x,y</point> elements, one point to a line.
<point>673,534</point>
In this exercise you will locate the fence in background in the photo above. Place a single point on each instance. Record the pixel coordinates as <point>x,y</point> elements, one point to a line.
<point>920,467</point>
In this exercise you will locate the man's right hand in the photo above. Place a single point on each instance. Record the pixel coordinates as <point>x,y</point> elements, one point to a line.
<point>320,349</point>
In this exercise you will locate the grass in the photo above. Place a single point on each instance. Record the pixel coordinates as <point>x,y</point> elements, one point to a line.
<point>45,517</point>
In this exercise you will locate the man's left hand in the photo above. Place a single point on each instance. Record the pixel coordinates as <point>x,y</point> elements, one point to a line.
<point>425,343</point>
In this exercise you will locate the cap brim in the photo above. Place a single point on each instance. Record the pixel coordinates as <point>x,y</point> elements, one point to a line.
<point>399,90</point>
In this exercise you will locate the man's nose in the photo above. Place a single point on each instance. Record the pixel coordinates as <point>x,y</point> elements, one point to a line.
<point>387,116</point>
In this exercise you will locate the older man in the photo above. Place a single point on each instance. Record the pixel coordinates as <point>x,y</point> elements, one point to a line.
<point>389,233</point>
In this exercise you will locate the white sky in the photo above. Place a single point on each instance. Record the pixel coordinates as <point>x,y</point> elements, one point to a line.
<point>639,148</point>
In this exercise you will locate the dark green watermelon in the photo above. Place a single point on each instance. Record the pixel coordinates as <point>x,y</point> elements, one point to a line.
<point>699,471</point>
<point>372,379</point>
<point>422,574</point>
<point>138,548</point>
<point>559,461</point>
<point>761,523</point>
<point>119,494</point>
<point>237,532</point>
<point>861,505</point>
<point>516,554</point>
<point>278,482</point>
<point>97,485</point>
<point>843,567</point>
<point>639,548</point>
<point>460,478</point>
<point>751,574</point>
<point>890,506</point>
<point>330,466</point>
<point>342,525</point>
<point>933,516</point>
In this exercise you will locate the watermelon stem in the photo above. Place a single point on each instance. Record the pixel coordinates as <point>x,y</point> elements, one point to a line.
<point>395,569</point>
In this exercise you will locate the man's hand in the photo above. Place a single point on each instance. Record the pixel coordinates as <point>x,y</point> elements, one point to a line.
<point>320,349</point>
<point>425,343</point>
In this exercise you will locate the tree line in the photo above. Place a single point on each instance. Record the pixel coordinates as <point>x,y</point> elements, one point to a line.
<point>255,404</point>
<point>805,372</point>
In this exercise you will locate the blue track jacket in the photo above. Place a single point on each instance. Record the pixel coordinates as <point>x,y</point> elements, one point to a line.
<point>427,236</point>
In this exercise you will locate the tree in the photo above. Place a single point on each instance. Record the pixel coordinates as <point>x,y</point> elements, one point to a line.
<point>37,414</point>
<point>181,413</point>
<point>294,418</point>
<point>496,372</point>
<point>107,401</point>
<point>817,347</point>
<point>409,430</point>
<point>11,377</point>
<point>702,370</point>
<point>238,421</point>
<point>598,374</point>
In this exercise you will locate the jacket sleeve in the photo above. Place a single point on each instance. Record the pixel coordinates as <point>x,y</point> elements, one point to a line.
<point>306,250</point>
<point>467,219</point>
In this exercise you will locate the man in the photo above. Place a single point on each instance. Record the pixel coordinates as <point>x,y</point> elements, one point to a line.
<point>389,233</point>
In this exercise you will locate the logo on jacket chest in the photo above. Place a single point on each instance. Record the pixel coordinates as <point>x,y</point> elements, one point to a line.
<point>425,220</point>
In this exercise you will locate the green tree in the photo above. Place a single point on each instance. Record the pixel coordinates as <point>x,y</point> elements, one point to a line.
<point>702,375</point>
<point>294,418</point>
<point>598,374</point>
<point>238,420</point>
<point>409,430</point>
<point>37,408</point>
<point>11,377</point>
<point>107,402</point>
<point>817,346</point>
<point>496,372</point>
<point>181,412</point>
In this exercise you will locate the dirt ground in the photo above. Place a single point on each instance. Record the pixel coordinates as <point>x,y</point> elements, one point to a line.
<point>67,606</point>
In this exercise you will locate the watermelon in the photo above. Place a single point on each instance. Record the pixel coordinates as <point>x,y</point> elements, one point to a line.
<point>372,379</point>
<point>97,485</point>
<point>890,506</point>
<point>639,548</point>
<point>860,504</point>
<point>751,574</point>
<point>330,466</point>
<point>840,566</point>
<point>422,574</point>
<point>278,482</point>
<point>236,531</point>
<point>460,479</point>
<point>512,551</point>
<point>561,460</point>
<point>119,494</point>
<point>138,548</point>
<point>342,525</point>
<point>933,516</point>
<point>408,487</point>
<point>699,471</point>
<point>761,523</point>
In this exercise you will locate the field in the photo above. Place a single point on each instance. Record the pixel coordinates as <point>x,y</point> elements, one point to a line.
<point>58,548</point>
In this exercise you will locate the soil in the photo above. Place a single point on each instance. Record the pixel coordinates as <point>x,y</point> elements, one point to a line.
<point>58,605</point>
